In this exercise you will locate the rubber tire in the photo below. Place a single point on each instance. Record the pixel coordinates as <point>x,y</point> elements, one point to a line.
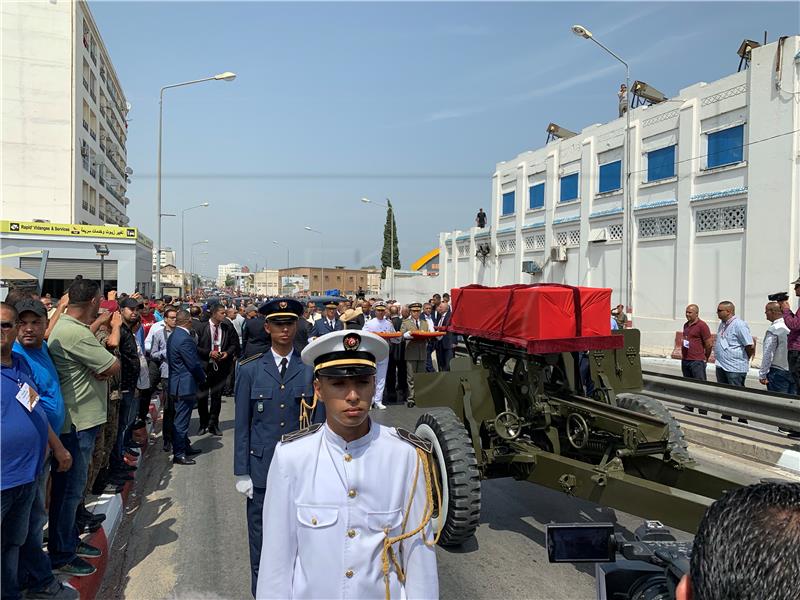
<point>678,447</point>
<point>455,456</point>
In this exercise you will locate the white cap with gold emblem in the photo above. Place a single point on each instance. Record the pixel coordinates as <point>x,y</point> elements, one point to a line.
<point>345,353</point>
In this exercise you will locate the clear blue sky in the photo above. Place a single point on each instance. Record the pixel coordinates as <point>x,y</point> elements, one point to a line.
<point>412,101</point>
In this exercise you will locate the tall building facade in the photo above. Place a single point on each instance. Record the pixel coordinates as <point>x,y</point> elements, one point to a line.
<point>64,118</point>
<point>224,270</point>
<point>715,197</point>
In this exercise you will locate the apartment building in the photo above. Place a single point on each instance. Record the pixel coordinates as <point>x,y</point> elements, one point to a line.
<point>714,193</point>
<point>64,118</point>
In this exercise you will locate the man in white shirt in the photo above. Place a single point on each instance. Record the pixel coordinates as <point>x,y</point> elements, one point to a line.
<point>380,324</point>
<point>774,372</point>
<point>344,496</point>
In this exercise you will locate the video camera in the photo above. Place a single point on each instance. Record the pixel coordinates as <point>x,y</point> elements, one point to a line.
<point>649,568</point>
<point>779,297</point>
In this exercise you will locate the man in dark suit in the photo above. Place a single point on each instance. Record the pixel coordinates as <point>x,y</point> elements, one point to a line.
<point>445,346</point>
<point>329,322</point>
<point>218,346</point>
<point>274,392</point>
<point>186,374</point>
<point>255,339</point>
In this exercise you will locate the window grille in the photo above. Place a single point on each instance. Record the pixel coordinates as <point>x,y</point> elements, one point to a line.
<point>650,227</point>
<point>615,231</point>
<point>463,250</point>
<point>721,219</point>
<point>561,238</point>
<point>504,246</point>
<point>529,242</point>
<point>574,237</point>
<point>538,241</point>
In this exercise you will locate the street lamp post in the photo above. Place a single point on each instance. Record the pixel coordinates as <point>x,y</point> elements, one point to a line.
<point>391,238</point>
<point>183,245</point>
<point>226,76</point>
<point>322,264</point>
<point>581,31</point>
<point>191,272</point>
<point>102,251</point>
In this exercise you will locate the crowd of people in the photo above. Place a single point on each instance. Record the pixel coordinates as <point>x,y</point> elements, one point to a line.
<point>79,377</point>
<point>733,348</point>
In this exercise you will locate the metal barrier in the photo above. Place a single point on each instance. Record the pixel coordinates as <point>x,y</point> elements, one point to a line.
<point>779,410</point>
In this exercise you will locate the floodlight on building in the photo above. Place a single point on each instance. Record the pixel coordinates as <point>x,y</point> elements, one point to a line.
<point>556,132</point>
<point>745,48</point>
<point>644,94</point>
<point>102,249</point>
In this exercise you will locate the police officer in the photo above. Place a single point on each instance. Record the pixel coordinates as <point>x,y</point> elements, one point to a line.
<point>350,501</point>
<point>273,392</point>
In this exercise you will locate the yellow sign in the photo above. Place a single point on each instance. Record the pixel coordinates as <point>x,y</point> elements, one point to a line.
<point>101,231</point>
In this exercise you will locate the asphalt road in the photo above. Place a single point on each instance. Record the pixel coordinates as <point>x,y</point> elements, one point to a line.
<point>184,535</point>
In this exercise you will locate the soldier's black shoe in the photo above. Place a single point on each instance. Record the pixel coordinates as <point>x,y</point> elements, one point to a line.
<point>167,446</point>
<point>202,430</point>
<point>411,404</point>
<point>214,430</point>
<point>182,460</point>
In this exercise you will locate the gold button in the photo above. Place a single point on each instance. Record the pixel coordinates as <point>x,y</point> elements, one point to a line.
<point>348,458</point>
<point>313,520</point>
<point>351,533</point>
<point>352,493</point>
<point>349,573</point>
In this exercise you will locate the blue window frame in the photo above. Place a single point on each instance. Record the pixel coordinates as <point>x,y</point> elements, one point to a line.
<point>725,147</point>
<point>508,203</point>
<point>610,177</point>
<point>661,163</point>
<point>569,187</point>
<point>536,196</point>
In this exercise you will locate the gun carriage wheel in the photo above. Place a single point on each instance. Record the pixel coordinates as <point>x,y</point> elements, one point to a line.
<point>457,468</point>
<point>646,405</point>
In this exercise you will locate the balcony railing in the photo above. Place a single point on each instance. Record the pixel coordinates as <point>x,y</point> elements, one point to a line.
<point>85,125</point>
<point>93,133</point>
<point>86,83</point>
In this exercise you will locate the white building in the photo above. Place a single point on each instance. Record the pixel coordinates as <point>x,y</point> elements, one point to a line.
<point>224,270</point>
<point>264,283</point>
<point>64,113</point>
<point>714,189</point>
<point>167,257</point>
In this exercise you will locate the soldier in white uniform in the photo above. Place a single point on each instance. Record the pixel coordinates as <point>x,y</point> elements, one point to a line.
<point>380,324</point>
<point>350,500</point>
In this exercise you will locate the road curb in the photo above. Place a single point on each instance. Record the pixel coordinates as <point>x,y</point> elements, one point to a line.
<point>762,451</point>
<point>113,506</point>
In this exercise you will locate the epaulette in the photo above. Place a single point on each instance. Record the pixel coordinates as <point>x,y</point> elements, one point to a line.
<point>414,439</point>
<point>300,433</point>
<point>250,358</point>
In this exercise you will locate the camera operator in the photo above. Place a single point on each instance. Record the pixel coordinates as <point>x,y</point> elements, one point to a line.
<point>792,321</point>
<point>747,546</point>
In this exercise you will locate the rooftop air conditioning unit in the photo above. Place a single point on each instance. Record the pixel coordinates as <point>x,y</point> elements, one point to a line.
<point>531,267</point>
<point>598,235</point>
<point>558,254</point>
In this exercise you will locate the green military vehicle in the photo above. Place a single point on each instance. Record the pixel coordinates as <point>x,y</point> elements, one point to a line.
<point>573,420</point>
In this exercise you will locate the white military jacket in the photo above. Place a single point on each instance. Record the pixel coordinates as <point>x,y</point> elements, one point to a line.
<point>329,505</point>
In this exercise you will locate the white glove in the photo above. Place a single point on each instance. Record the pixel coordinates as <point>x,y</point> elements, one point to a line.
<point>407,335</point>
<point>244,485</point>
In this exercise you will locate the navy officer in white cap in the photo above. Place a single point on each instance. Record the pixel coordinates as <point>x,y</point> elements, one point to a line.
<point>274,396</point>
<point>350,501</point>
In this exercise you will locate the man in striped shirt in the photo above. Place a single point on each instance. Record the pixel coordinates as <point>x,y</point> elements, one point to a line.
<point>733,348</point>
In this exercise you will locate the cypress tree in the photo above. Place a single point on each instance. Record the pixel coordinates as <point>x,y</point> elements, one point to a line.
<point>386,254</point>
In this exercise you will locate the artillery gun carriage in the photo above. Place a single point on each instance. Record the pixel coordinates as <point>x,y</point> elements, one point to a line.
<point>566,413</point>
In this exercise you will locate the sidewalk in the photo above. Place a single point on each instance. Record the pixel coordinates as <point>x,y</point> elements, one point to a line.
<point>111,505</point>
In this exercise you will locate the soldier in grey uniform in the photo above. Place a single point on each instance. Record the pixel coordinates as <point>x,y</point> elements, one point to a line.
<point>274,394</point>
<point>416,350</point>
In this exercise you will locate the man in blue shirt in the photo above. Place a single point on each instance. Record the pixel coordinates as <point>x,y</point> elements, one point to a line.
<point>23,438</point>
<point>34,565</point>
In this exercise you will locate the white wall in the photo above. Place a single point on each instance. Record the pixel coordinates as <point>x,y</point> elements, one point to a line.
<point>677,257</point>
<point>37,161</point>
